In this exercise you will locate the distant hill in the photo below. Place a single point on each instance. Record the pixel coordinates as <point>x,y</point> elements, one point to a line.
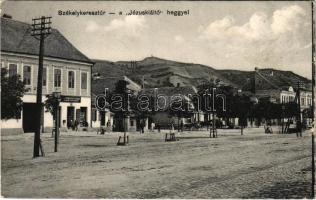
<point>159,72</point>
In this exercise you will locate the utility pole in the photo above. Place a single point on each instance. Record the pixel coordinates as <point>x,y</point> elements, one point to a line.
<point>313,101</point>
<point>40,30</point>
<point>283,108</point>
<point>56,96</point>
<point>299,120</point>
<point>214,125</point>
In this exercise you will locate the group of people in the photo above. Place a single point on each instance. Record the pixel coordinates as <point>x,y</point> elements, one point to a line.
<point>73,125</point>
<point>102,130</point>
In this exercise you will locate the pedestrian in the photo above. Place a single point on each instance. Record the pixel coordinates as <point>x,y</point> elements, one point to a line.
<point>158,127</point>
<point>172,128</point>
<point>69,124</point>
<point>182,125</point>
<point>152,126</point>
<point>73,125</point>
<point>142,125</point>
<point>76,125</point>
<point>299,128</point>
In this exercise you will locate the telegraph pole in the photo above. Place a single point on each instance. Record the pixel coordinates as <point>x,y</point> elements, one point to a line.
<point>313,101</point>
<point>57,97</point>
<point>40,30</point>
<point>299,121</point>
<point>143,82</point>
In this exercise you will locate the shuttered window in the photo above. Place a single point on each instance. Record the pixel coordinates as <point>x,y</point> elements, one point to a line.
<point>57,77</point>
<point>71,79</point>
<point>27,74</point>
<point>13,70</point>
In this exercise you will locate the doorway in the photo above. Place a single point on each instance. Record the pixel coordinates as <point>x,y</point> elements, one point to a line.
<point>83,116</point>
<point>29,123</point>
<point>70,116</point>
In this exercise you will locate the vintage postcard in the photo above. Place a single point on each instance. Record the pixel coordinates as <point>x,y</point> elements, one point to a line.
<point>157,99</point>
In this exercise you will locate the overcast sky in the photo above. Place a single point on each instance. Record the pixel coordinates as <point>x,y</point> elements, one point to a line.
<point>224,35</point>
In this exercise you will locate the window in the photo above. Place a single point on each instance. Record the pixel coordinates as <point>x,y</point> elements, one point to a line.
<point>84,80</point>
<point>27,74</point>
<point>57,77</point>
<point>71,79</point>
<point>13,70</point>
<point>44,76</point>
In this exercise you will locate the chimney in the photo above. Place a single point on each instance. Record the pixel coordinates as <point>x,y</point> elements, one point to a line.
<point>7,16</point>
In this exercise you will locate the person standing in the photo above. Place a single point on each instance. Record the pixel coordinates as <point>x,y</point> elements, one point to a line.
<point>158,127</point>
<point>142,125</point>
<point>182,125</point>
<point>76,125</point>
<point>299,128</point>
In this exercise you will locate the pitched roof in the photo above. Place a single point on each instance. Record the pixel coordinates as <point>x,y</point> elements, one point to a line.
<point>169,91</point>
<point>16,38</point>
<point>277,79</point>
<point>99,85</point>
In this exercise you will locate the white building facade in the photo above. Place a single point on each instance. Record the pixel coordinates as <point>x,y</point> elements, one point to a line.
<point>65,70</point>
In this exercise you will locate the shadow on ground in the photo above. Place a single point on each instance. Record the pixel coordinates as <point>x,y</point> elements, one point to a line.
<point>284,190</point>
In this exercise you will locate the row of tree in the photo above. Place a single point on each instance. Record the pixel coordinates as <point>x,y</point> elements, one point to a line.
<point>237,104</point>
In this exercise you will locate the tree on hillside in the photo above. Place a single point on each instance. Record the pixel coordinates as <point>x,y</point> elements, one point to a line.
<point>12,91</point>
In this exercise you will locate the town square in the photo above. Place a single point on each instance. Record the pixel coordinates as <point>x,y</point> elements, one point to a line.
<point>158,99</point>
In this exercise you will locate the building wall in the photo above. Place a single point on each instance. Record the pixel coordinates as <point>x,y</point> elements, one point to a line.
<point>97,122</point>
<point>306,99</point>
<point>11,123</point>
<point>286,96</point>
<point>50,65</point>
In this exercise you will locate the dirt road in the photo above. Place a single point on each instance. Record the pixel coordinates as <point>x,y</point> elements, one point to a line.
<point>255,165</point>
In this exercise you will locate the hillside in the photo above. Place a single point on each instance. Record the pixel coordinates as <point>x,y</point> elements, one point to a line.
<point>158,72</point>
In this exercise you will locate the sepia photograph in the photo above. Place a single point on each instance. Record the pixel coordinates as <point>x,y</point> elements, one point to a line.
<point>157,99</point>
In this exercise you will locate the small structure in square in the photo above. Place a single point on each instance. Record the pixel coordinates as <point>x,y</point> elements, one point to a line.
<point>102,120</point>
<point>106,118</point>
<point>163,118</point>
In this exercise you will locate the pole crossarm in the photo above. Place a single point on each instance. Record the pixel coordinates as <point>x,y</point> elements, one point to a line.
<point>41,27</point>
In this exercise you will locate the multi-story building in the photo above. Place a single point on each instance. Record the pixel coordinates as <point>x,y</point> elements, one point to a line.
<point>276,86</point>
<point>286,95</point>
<point>66,70</point>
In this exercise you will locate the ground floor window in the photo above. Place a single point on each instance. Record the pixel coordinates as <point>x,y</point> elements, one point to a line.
<point>83,116</point>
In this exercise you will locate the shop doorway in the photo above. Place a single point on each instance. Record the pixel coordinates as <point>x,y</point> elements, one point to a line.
<point>70,116</point>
